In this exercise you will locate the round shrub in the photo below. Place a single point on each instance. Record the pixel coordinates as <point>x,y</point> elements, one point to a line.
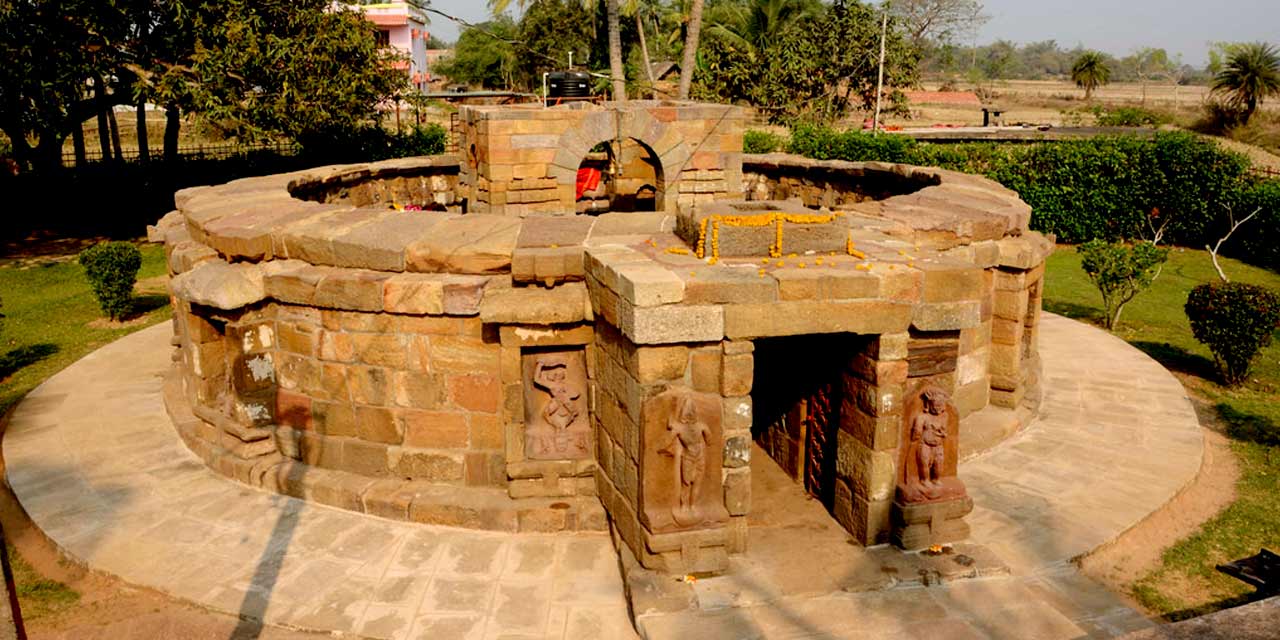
<point>112,268</point>
<point>1235,321</point>
<point>755,141</point>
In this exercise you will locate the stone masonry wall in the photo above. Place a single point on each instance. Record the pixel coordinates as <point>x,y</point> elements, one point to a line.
<point>524,160</point>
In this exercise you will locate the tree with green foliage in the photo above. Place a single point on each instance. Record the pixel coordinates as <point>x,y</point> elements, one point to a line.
<point>297,68</point>
<point>1120,271</point>
<point>51,50</point>
<point>553,28</point>
<point>1090,71</point>
<point>483,56</point>
<point>1250,75</point>
<point>1236,321</point>
<point>815,66</point>
<point>112,269</point>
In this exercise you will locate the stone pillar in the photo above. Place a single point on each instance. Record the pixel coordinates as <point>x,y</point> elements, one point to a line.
<point>1015,364</point>
<point>673,433</point>
<point>867,441</point>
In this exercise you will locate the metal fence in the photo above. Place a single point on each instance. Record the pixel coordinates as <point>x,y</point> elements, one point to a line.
<point>199,151</point>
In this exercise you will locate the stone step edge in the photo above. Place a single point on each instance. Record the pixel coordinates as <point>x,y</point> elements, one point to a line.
<point>487,509</point>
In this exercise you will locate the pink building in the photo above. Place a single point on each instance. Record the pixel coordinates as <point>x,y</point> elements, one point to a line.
<point>404,28</point>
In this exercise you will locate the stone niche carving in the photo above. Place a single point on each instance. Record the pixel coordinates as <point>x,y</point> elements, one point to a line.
<point>557,426</point>
<point>681,444</point>
<point>930,502</point>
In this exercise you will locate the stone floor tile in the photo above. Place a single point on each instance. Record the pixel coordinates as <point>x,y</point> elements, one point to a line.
<point>459,595</point>
<point>448,627</point>
<point>382,622</point>
<point>586,623</point>
<point>467,556</point>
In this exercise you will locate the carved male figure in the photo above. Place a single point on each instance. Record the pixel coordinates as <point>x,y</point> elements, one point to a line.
<point>929,435</point>
<point>562,408</point>
<point>687,442</point>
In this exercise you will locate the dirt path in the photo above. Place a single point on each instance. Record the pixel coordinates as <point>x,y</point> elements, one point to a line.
<point>1259,156</point>
<point>1120,563</point>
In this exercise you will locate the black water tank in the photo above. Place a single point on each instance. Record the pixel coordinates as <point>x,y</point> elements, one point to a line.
<point>568,84</point>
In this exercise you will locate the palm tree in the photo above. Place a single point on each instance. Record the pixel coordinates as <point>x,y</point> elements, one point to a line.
<point>637,9</point>
<point>1090,71</point>
<point>1251,75</point>
<point>690,49</point>
<point>616,72</point>
<point>615,51</point>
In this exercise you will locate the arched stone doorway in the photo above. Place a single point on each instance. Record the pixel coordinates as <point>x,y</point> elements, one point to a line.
<point>622,176</point>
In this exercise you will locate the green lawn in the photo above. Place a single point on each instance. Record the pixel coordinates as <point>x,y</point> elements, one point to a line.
<point>48,309</point>
<point>1187,583</point>
<point>48,314</point>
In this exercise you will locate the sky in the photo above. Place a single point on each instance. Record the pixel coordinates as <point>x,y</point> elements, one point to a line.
<point>1117,27</point>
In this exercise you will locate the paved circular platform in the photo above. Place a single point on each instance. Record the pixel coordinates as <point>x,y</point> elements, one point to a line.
<point>93,459</point>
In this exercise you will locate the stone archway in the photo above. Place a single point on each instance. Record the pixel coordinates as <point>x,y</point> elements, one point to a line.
<point>661,141</point>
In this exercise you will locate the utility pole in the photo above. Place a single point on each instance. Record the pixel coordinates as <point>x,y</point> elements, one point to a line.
<point>884,30</point>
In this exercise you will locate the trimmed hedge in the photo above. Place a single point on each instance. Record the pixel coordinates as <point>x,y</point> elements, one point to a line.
<point>1108,187</point>
<point>1236,321</point>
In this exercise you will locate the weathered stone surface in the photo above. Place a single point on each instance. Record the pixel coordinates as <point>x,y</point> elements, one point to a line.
<point>680,471</point>
<point>412,293</point>
<point>565,304</point>
<point>671,323</point>
<point>807,316</point>
<point>472,244</point>
<point>220,285</point>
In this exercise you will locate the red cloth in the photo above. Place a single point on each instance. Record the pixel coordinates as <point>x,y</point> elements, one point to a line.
<point>588,180</point>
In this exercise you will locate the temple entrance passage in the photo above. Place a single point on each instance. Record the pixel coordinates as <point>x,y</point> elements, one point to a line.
<point>618,176</point>
<point>798,395</point>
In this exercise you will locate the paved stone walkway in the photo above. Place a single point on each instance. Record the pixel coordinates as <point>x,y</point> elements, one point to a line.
<point>95,462</point>
<point>1117,439</point>
<point>93,459</point>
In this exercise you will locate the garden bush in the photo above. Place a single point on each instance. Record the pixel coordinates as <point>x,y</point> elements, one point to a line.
<point>112,269</point>
<point>1107,187</point>
<point>755,141</point>
<point>1128,117</point>
<point>1236,321</point>
<point>1120,271</point>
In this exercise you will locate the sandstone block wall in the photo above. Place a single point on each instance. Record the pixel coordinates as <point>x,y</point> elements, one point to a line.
<point>524,160</point>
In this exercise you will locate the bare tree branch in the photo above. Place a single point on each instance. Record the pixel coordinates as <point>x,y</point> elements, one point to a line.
<point>1213,251</point>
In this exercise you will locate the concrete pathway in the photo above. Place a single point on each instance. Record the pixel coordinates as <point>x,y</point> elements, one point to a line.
<point>93,459</point>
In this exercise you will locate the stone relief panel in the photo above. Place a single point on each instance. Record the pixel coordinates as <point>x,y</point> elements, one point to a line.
<point>681,444</point>
<point>930,451</point>
<point>557,426</point>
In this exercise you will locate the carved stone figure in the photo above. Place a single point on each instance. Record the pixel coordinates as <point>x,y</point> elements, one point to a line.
<point>687,442</point>
<point>928,437</point>
<point>556,424</point>
<point>931,501</point>
<point>682,446</point>
<point>562,409</point>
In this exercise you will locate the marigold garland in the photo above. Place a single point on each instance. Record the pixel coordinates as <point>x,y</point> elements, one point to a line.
<point>757,220</point>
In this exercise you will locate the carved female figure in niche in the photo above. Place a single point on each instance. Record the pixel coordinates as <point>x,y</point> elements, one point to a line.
<point>687,442</point>
<point>561,409</point>
<point>928,436</point>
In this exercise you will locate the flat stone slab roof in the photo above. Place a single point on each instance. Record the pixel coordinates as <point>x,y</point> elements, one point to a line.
<point>93,459</point>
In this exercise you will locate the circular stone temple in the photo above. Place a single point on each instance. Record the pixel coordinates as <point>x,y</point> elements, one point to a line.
<point>461,341</point>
